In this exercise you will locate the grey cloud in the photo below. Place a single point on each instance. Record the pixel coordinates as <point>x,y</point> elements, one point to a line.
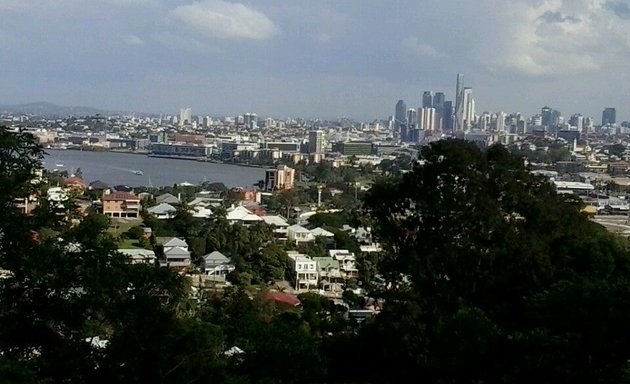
<point>557,17</point>
<point>619,8</point>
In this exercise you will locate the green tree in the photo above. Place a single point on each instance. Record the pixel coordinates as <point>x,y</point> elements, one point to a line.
<point>61,291</point>
<point>497,278</point>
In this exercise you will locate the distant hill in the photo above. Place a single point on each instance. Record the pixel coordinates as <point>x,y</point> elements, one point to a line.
<point>50,109</point>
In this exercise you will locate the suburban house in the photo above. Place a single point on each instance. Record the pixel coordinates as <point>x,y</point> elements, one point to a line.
<point>217,265</point>
<point>75,184</point>
<point>347,262</point>
<point>305,271</point>
<point>98,185</point>
<point>57,194</point>
<point>163,211</point>
<point>241,215</point>
<point>167,198</point>
<point>121,204</point>
<point>331,279</point>
<point>319,231</point>
<point>201,212</point>
<point>176,254</point>
<point>139,255</point>
<point>298,234</point>
<point>278,223</point>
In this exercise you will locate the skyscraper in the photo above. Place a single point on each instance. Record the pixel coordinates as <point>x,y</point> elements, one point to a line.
<point>427,119</point>
<point>412,119</point>
<point>427,99</point>
<point>315,141</point>
<point>467,115</point>
<point>400,117</point>
<point>438,100</point>
<point>185,116</point>
<point>609,116</point>
<point>545,113</point>
<point>447,116</point>
<point>500,124</point>
<point>459,103</point>
<point>438,103</point>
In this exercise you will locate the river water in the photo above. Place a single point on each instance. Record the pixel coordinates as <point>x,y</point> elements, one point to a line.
<point>120,168</point>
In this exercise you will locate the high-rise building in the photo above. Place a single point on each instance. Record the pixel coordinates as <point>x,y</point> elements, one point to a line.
<point>438,100</point>
<point>281,178</point>
<point>315,141</point>
<point>545,114</point>
<point>447,116</point>
<point>400,117</point>
<point>500,124</point>
<point>412,119</point>
<point>609,116</point>
<point>577,121</point>
<point>427,99</point>
<point>185,116</point>
<point>467,116</point>
<point>427,119</point>
<point>250,120</point>
<point>459,102</point>
<point>438,103</point>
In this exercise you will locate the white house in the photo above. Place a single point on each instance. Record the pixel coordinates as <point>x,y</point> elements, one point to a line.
<point>201,212</point>
<point>176,254</point>
<point>163,211</point>
<point>347,262</point>
<point>138,255</point>
<point>217,265</point>
<point>278,223</point>
<point>331,279</point>
<point>305,270</point>
<point>298,234</point>
<point>241,215</point>
<point>319,231</point>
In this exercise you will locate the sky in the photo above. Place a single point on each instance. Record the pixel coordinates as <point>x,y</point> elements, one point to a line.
<point>324,58</point>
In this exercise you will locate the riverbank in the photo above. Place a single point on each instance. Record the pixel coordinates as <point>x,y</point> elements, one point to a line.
<point>117,167</point>
<point>148,154</point>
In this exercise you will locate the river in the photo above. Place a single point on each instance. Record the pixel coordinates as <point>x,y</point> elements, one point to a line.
<point>120,168</point>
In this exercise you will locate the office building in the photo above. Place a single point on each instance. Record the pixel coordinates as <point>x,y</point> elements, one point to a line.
<point>356,148</point>
<point>459,103</point>
<point>609,116</point>
<point>500,122</point>
<point>447,116</point>
<point>315,141</point>
<point>577,122</point>
<point>467,114</point>
<point>281,178</point>
<point>400,117</point>
<point>427,99</point>
<point>412,119</point>
<point>438,101</point>
<point>185,116</point>
<point>427,119</point>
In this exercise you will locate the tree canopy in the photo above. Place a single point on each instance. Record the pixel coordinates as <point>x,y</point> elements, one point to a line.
<point>497,278</point>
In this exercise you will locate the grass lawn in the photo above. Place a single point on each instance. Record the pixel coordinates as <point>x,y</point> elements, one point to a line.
<point>119,226</point>
<point>129,243</point>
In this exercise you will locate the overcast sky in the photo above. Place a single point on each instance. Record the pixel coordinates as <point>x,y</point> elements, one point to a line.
<point>315,58</point>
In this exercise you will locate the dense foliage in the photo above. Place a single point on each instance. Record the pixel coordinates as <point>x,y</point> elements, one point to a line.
<point>499,279</point>
<point>491,277</point>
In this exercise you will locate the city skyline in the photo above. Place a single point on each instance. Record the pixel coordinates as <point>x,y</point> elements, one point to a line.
<point>225,58</point>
